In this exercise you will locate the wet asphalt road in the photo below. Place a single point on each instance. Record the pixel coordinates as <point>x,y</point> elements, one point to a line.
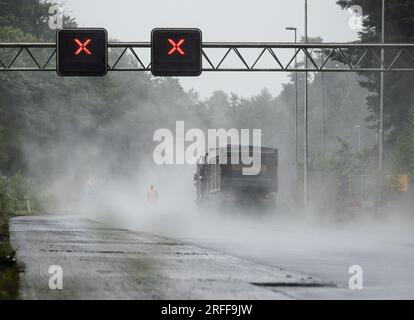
<point>101,262</point>
<point>383,248</point>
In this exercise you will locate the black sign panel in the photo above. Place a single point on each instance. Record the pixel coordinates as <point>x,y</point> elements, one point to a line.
<point>82,52</point>
<point>176,52</point>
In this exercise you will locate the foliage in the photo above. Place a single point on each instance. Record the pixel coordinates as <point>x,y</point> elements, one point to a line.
<point>8,199</point>
<point>403,150</point>
<point>14,193</point>
<point>329,175</point>
<point>31,17</point>
<point>9,277</point>
<point>344,162</point>
<point>398,94</point>
<point>50,125</point>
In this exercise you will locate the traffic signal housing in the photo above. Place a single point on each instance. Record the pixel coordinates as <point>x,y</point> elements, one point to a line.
<point>176,52</point>
<point>82,52</point>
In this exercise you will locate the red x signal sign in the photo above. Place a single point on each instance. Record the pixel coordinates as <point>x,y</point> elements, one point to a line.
<point>82,52</point>
<point>176,52</point>
<point>82,46</point>
<point>176,47</point>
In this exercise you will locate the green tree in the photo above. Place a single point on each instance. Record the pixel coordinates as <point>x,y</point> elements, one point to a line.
<point>31,17</point>
<point>403,151</point>
<point>398,94</point>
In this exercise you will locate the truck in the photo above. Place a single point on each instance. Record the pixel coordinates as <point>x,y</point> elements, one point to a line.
<point>226,184</point>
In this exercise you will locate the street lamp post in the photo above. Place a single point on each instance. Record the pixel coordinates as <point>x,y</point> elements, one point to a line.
<point>296,99</point>
<point>323,107</point>
<point>305,116</point>
<point>381,117</point>
<point>323,111</point>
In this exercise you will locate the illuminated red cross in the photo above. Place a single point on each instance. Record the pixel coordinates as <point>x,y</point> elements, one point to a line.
<point>176,47</point>
<point>82,46</point>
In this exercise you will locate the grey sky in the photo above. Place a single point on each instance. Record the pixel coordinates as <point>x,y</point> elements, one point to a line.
<point>220,20</point>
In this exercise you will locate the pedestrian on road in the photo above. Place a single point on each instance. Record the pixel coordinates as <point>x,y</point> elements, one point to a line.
<point>152,195</point>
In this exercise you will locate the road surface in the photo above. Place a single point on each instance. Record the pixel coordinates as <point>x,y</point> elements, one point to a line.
<point>222,257</point>
<point>382,247</point>
<point>102,262</point>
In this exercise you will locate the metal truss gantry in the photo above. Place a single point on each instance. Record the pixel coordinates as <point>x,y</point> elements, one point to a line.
<point>242,56</point>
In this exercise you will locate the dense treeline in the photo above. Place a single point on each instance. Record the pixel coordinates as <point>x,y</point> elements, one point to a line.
<point>50,124</point>
<point>398,94</point>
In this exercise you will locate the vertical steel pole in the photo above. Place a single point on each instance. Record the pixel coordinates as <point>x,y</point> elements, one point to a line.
<point>323,110</point>
<point>296,100</point>
<point>296,109</point>
<point>381,116</point>
<point>305,145</point>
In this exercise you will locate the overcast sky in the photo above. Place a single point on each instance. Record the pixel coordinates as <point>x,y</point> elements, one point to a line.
<point>219,20</point>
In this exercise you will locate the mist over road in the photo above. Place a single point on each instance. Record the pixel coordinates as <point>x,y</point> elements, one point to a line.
<point>383,247</point>
<point>102,262</point>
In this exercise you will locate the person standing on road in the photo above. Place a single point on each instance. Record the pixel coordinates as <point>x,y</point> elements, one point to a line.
<point>91,186</point>
<point>152,195</point>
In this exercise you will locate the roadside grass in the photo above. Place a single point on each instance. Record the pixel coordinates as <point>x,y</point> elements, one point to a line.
<point>9,273</point>
<point>18,196</point>
<point>9,269</point>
